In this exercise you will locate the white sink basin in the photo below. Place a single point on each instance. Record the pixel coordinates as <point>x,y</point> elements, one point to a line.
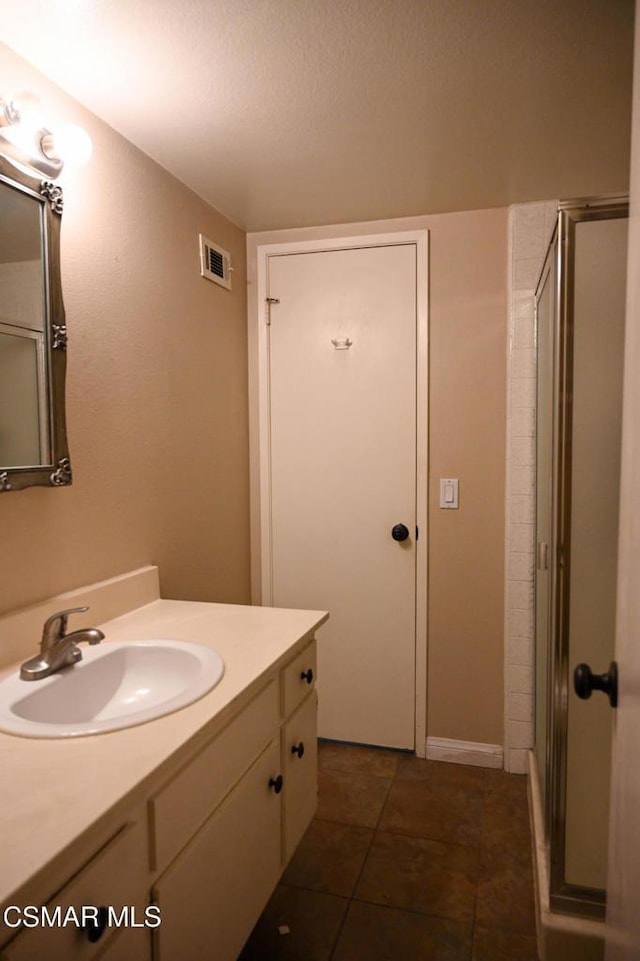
<point>116,685</point>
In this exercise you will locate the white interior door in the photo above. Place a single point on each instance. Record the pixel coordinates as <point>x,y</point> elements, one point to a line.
<point>623,884</point>
<point>342,423</point>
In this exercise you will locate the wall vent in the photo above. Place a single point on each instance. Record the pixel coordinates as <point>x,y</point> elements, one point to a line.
<point>215,263</point>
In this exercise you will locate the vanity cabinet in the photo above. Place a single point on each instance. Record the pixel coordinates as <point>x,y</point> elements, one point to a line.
<point>210,841</point>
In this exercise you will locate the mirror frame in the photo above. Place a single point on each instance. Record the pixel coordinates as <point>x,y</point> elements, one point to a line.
<point>56,473</point>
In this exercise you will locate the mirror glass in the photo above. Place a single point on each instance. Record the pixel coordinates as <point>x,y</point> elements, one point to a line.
<point>32,334</point>
<point>23,373</point>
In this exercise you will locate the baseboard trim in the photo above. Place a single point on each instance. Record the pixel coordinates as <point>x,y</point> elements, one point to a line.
<point>465,752</point>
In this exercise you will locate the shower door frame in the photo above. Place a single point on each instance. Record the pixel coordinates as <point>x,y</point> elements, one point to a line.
<point>551,273</point>
<point>564,896</point>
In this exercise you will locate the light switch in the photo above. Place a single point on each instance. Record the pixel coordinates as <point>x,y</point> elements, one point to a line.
<point>449,493</point>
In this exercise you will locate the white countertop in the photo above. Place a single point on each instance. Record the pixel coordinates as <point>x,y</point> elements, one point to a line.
<point>55,790</point>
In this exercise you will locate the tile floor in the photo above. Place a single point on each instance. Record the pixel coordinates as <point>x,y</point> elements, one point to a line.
<point>406,859</point>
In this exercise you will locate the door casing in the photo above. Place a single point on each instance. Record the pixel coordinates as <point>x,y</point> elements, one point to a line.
<point>261,520</point>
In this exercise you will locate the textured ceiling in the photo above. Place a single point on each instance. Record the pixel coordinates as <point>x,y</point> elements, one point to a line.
<point>286,113</point>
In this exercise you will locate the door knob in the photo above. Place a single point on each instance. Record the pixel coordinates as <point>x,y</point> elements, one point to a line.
<point>400,532</point>
<point>585,681</point>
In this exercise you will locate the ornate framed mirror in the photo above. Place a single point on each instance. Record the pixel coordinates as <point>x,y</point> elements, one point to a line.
<point>33,335</point>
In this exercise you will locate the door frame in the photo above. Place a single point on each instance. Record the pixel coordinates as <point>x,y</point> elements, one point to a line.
<point>261,528</point>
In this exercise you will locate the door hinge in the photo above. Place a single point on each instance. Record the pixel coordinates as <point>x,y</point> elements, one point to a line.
<point>417,532</point>
<point>269,301</point>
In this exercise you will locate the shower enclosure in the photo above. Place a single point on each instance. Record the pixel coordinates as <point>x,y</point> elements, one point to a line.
<point>580,304</point>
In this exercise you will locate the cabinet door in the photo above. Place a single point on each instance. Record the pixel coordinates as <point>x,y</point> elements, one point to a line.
<point>300,766</point>
<point>114,878</point>
<point>183,805</point>
<point>215,890</point>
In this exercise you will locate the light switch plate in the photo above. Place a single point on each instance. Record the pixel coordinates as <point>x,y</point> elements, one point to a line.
<point>449,493</point>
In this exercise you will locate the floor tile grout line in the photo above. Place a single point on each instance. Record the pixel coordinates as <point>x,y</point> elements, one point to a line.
<point>384,804</point>
<point>416,912</point>
<point>340,929</point>
<point>480,871</point>
<point>401,834</point>
<point>364,861</point>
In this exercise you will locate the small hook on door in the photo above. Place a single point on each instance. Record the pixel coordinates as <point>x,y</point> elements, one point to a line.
<point>341,343</point>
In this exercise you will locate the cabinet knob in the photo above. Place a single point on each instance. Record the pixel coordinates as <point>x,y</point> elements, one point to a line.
<point>298,749</point>
<point>307,676</point>
<point>276,783</point>
<point>95,927</point>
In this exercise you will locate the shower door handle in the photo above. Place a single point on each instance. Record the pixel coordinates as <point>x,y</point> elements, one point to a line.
<point>543,556</point>
<point>585,682</point>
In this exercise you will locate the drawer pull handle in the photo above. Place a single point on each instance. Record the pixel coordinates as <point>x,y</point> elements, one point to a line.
<point>276,783</point>
<point>307,676</point>
<point>298,749</point>
<point>95,928</point>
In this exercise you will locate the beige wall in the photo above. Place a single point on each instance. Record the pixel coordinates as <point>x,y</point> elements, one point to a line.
<point>467,387</point>
<point>156,389</point>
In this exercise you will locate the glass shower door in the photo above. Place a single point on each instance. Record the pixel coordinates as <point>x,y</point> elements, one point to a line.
<point>580,309</point>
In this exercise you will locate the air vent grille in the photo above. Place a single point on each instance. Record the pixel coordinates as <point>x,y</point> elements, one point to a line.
<point>215,263</point>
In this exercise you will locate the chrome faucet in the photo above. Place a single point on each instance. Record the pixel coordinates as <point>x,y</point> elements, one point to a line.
<point>57,648</point>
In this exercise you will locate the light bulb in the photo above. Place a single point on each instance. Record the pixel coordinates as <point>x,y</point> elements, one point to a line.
<point>73,144</point>
<point>69,143</point>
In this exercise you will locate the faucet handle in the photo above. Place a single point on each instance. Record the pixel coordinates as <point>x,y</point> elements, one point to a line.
<point>55,627</point>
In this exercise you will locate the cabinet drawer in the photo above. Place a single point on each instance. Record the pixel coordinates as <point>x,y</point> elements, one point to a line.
<point>185,803</point>
<point>214,892</point>
<point>298,677</point>
<point>300,769</point>
<point>115,877</point>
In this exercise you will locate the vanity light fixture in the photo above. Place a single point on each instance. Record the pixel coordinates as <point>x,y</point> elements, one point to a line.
<point>25,139</point>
